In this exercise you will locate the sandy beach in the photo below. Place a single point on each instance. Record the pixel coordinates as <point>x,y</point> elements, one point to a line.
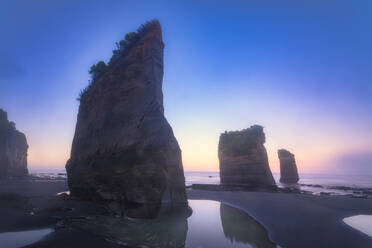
<point>43,209</point>
<point>298,220</point>
<point>292,220</point>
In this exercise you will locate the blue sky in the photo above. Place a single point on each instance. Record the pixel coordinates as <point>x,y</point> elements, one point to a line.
<point>302,69</point>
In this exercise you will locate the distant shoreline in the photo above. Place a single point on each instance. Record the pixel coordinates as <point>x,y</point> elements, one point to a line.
<point>62,169</point>
<point>318,184</point>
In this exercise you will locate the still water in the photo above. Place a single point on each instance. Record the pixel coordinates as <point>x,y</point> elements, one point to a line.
<point>20,239</point>
<point>212,225</point>
<point>362,223</point>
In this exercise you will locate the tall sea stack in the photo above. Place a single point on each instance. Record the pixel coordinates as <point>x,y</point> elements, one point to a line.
<point>288,168</point>
<point>124,153</point>
<point>243,158</point>
<point>13,149</point>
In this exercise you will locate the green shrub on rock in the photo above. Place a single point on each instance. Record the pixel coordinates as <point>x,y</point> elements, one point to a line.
<point>122,47</point>
<point>97,69</point>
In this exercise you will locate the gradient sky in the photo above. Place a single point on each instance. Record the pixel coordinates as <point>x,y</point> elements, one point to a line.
<point>302,69</point>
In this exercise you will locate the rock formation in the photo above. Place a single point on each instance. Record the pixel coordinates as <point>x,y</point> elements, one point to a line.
<point>288,168</point>
<point>124,153</point>
<point>243,158</point>
<point>13,149</point>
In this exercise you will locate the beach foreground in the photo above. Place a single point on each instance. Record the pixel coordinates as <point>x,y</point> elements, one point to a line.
<point>292,220</point>
<point>299,220</point>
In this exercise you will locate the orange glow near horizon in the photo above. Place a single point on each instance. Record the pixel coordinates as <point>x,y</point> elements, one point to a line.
<point>301,69</point>
<point>197,155</point>
<point>313,143</point>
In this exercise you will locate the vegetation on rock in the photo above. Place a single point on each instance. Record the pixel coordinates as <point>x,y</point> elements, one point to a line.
<point>122,49</point>
<point>97,69</point>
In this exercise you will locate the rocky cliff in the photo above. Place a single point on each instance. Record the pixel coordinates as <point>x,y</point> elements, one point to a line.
<point>124,153</point>
<point>243,158</point>
<point>288,168</point>
<point>13,149</point>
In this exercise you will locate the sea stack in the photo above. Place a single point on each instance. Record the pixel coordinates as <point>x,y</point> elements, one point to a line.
<point>288,168</point>
<point>124,153</point>
<point>243,158</point>
<point>13,149</point>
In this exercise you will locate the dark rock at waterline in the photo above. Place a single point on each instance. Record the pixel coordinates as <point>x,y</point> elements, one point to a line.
<point>124,153</point>
<point>220,187</point>
<point>167,231</point>
<point>288,168</point>
<point>247,188</point>
<point>243,158</point>
<point>13,149</point>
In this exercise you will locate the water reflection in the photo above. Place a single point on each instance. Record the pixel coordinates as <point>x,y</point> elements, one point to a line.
<point>212,225</point>
<point>217,225</point>
<point>240,227</point>
<point>20,239</point>
<point>168,231</point>
<point>362,223</point>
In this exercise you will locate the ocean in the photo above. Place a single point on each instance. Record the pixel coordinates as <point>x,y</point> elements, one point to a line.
<point>362,181</point>
<point>315,183</point>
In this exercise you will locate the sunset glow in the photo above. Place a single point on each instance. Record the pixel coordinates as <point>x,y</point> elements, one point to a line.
<point>312,91</point>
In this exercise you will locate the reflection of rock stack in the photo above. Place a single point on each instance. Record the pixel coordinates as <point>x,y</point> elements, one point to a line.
<point>124,152</point>
<point>13,149</point>
<point>288,168</point>
<point>243,158</point>
<point>238,226</point>
<point>168,231</point>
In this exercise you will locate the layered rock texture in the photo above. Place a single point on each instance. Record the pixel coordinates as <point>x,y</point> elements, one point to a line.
<point>13,149</point>
<point>288,168</point>
<point>124,153</point>
<point>243,158</point>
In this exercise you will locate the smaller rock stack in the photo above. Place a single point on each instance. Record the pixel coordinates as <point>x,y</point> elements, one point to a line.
<point>243,158</point>
<point>288,168</point>
<point>13,149</point>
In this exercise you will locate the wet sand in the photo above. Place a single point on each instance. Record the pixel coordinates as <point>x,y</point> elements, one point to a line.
<point>292,220</point>
<point>299,220</point>
<point>47,210</point>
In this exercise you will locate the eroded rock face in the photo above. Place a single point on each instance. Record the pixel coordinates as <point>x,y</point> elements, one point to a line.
<point>13,149</point>
<point>243,158</point>
<point>288,168</point>
<point>124,152</point>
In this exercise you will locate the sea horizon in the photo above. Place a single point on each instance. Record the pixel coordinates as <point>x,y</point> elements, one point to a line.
<point>308,181</point>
